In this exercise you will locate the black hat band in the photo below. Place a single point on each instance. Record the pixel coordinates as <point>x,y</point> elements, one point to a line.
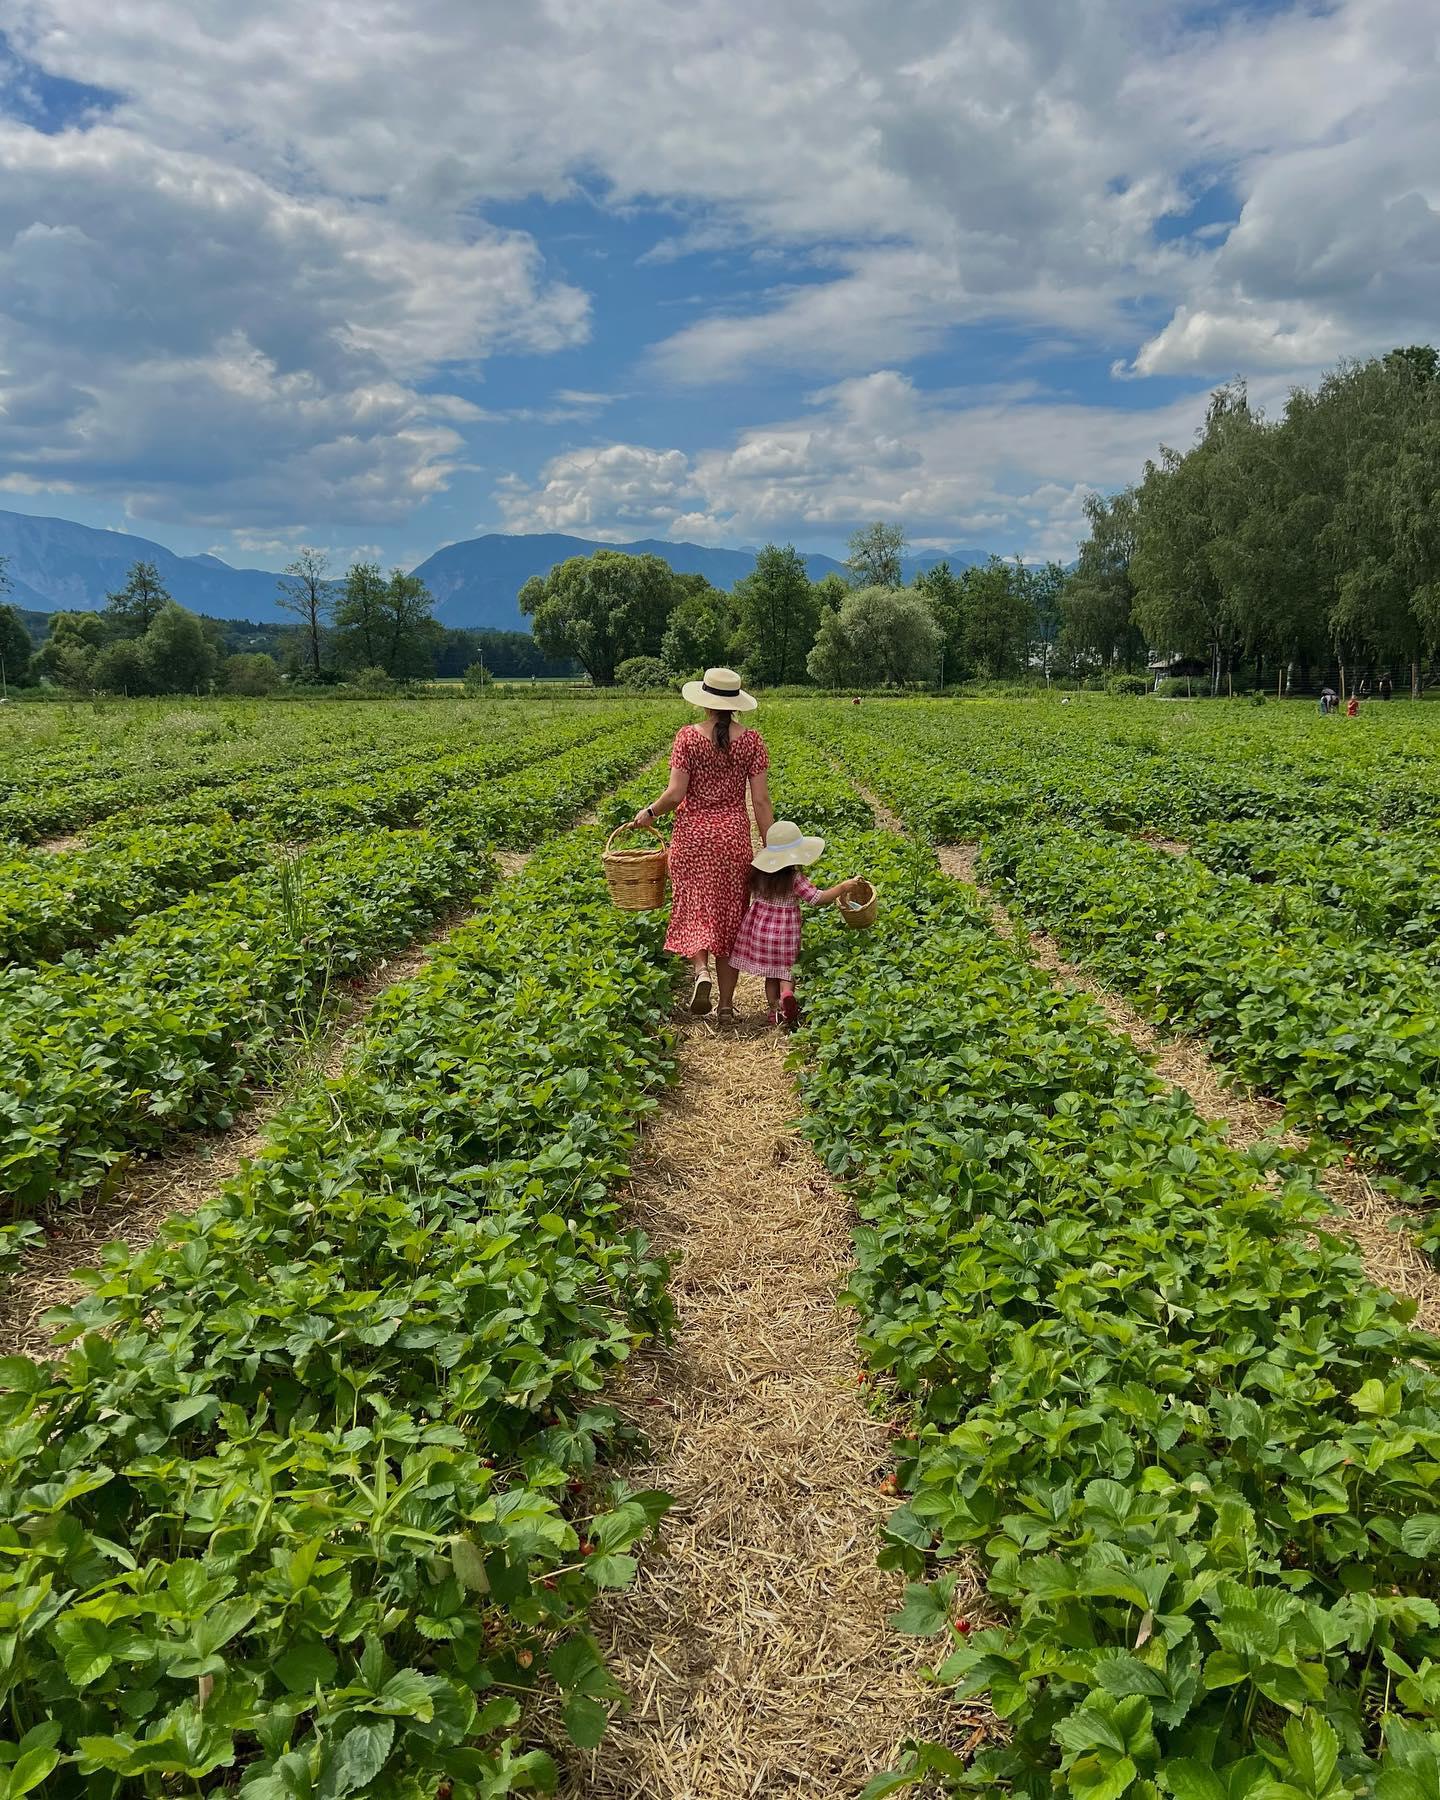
<point>720,693</point>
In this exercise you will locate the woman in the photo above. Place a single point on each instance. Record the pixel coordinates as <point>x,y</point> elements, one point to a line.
<point>711,766</point>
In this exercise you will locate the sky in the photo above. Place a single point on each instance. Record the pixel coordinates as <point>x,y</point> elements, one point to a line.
<point>377,275</point>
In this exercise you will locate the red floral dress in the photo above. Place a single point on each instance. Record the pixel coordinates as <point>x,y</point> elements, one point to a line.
<point>769,940</point>
<point>710,850</point>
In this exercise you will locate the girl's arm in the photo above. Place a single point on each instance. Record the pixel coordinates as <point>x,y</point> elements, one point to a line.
<point>760,801</point>
<point>825,896</point>
<point>675,792</point>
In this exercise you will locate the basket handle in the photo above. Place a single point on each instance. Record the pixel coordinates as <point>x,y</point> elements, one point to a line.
<point>630,825</point>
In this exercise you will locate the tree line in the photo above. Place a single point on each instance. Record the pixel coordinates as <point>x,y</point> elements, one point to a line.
<point>634,620</point>
<point>371,630</point>
<point>1281,548</point>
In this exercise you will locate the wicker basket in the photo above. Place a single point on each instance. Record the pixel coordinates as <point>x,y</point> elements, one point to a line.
<point>858,910</point>
<point>636,878</point>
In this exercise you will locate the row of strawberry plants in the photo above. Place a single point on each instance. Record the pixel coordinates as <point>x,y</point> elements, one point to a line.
<point>959,770</point>
<point>308,802</point>
<point>303,749</point>
<point>164,1028</point>
<point>310,1506</point>
<point>1193,1450</point>
<point>1343,1029</point>
<point>1383,884</point>
<point>804,782</point>
<point>52,904</point>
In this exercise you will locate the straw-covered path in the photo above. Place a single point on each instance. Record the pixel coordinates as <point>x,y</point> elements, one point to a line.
<point>755,1647</point>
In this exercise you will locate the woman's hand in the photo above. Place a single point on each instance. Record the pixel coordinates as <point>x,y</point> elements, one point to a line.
<point>642,818</point>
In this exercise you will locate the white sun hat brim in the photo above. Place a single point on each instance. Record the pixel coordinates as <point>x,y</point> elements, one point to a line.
<point>791,852</point>
<point>719,691</point>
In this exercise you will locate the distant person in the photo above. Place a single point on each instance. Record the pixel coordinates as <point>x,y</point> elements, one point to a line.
<point>1387,687</point>
<point>769,940</point>
<point>1352,707</point>
<point>712,766</point>
<point>1329,699</point>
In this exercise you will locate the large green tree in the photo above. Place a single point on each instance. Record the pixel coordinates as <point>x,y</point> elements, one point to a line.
<point>777,615</point>
<point>67,657</point>
<point>132,609</point>
<point>602,609</point>
<point>178,652</point>
<point>877,637</point>
<point>1098,629</point>
<point>409,633</point>
<point>876,555</point>
<point>14,646</point>
<point>307,590</point>
<point>359,618</point>
<point>700,632</point>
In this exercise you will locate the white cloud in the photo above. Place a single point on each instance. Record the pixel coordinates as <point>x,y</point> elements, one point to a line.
<point>281,223</point>
<point>610,493</point>
<point>1010,474</point>
<point>213,348</point>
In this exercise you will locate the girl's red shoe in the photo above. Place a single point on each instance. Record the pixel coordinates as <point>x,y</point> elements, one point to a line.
<point>790,1011</point>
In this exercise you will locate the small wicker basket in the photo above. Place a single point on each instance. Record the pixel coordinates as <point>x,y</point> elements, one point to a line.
<point>636,878</point>
<point>858,909</point>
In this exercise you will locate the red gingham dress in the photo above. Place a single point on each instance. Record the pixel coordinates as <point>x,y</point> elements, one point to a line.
<point>710,848</point>
<point>769,940</point>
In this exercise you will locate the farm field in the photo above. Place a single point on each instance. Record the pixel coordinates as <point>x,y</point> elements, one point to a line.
<point>389,1465</point>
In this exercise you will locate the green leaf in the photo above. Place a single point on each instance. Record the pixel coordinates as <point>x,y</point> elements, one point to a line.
<point>926,1609</point>
<point>1188,1779</point>
<point>1314,1751</point>
<point>29,1771</point>
<point>357,1759</point>
<point>1095,1778</point>
<point>407,1694</point>
<point>585,1720</point>
<point>305,1667</point>
<point>468,1562</point>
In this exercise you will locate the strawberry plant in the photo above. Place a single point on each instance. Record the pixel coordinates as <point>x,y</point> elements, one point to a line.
<point>1342,1028</point>
<point>1145,1386</point>
<point>294,1511</point>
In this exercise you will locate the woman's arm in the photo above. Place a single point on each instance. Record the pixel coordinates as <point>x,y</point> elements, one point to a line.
<point>675,792</point>
<point>760,800</point>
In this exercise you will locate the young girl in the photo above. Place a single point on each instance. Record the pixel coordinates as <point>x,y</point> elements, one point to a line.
<point>769,940</point>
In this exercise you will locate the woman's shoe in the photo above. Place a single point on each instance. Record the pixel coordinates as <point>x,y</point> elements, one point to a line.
<point>725,1017</point>
<point>790,1011</point>
<point>700,996</point>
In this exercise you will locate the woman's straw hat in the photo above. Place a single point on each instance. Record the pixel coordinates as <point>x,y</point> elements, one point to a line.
<point>786,847</point>
<point>720,691</point>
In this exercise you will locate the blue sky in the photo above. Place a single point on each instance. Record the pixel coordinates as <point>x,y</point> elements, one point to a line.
<point>676,269</point>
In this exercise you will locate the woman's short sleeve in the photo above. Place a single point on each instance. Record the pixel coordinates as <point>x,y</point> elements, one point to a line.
<point>680,749</point>
<point>759,755</point>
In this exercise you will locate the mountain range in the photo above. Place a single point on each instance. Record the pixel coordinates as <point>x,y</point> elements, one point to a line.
<point>55,565</point>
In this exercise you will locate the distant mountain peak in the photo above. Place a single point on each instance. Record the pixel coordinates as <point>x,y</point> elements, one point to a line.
<point>57,565</point>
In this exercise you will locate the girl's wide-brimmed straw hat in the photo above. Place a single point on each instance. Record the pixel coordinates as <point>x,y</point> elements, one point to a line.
<point>720,691</point>
<point>787,847</point>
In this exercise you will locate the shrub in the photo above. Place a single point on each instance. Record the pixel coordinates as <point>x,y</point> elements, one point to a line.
<point>255,674</point>
<point>1127,687</point>
<point>644,672</point>
<point>372,682</point>
<point>477,678</point>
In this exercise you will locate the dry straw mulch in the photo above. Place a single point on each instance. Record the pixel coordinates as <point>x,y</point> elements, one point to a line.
<point>755,1647</point>
<point>1369,1217</point>
<point>182,1179</point>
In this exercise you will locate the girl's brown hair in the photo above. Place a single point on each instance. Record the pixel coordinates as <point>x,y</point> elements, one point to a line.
<point>767,884</point>
<point>723,721</point>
